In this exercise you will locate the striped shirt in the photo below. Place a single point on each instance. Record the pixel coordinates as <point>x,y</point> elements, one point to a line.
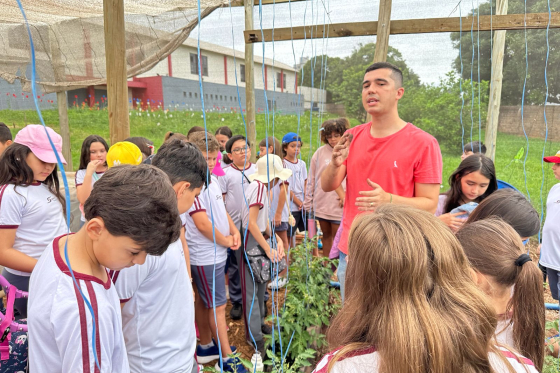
<point>60,323</point>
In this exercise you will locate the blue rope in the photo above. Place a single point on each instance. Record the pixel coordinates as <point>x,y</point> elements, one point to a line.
<point>472,68</point>
<point>461,79</point>
<point>523,105</point>
<point>65,180</point>
<point>478,66</point>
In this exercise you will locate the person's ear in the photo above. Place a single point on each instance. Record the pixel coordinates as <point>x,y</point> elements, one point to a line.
<point>9,142</point>
<point>94,228</point>
<point>181,188</point>
<point>400,93</point>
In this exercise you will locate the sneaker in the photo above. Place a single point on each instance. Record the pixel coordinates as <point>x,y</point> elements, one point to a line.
<point>232,365</point>
<point>206,355</point>
<point>236,312</point>
<point>232,348</point>
<point>278,283</point>
<point>266,329</point>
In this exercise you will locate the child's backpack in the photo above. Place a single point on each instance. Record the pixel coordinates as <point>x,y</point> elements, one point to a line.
<point>13,335</point>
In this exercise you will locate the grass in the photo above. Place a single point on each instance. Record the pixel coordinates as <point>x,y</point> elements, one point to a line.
<point>530,179</point>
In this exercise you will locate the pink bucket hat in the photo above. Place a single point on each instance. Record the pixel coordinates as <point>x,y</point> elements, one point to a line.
<point>35,138</point>
<point>218,170</point>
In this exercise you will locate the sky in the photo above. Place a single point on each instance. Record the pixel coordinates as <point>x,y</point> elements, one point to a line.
<point>429,55</point>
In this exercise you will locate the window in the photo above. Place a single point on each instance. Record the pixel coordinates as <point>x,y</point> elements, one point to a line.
<point>190,94</point>
<point>194,64</point>
<point>195,95</point>
<point>220,97</point>
<point>184,94</point>
<point>280,80</point>
<point>206,96</point>
<point>242,73</point>
<point>211,97</point>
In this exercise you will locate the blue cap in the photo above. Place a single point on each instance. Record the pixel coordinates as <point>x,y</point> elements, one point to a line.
<point>290,137</point>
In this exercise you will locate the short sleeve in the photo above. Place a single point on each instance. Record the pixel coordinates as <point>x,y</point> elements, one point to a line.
<point>80,175</point>
<point>130,279</point>
<point>12,206</point>
<point>429,166</point>
<point>223,183</point>
<point>304,170</point>
<point>198,205</point>
<point>257,196</point>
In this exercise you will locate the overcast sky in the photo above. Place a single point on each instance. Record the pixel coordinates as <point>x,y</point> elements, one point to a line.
<point>429,55</point>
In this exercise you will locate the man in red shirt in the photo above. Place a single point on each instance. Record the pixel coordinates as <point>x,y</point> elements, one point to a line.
<point>384,161</point>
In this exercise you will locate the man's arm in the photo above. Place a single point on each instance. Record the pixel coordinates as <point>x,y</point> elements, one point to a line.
<point>425,197</point>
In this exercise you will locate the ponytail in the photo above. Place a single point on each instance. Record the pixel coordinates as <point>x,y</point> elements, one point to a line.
<point>528,318</point>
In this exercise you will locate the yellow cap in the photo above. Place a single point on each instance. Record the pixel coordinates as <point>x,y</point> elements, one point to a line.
<point>123,152</point>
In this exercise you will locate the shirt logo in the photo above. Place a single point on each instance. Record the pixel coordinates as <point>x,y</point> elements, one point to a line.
<point>50,199</point>
<point>396,165</point>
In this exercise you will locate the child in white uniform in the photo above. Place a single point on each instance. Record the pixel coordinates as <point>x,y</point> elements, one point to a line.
<point>31,206</point>
<point>131,212</point>
<point>169,344</point>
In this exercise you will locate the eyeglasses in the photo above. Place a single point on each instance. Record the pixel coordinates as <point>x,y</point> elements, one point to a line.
<point>239,150</point>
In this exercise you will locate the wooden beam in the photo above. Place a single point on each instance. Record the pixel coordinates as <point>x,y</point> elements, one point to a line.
<point>238,3</point>
<point>115,60</point>
<point>250,116</point>
<point>496,84</point>
<point>383,31</point>
<point>410,26</point>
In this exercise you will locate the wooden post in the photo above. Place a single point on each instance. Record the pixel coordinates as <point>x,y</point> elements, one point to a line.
<point>115,57</point>
<point>61,100</point>
<point>250,117</point>
<point>383,32</point>
<point>496,84</point>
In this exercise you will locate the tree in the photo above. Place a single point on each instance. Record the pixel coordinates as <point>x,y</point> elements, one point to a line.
<point>514,55</point>
<point>343,77</point>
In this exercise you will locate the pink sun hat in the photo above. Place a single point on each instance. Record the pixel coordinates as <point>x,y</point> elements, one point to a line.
<point>218,170</point>
<point>35,138</point>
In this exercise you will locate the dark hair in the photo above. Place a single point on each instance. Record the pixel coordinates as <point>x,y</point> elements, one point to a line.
<point>512,207</point>
<point>476,162</point>
<point>174,135</point>
<point>338,125</point>
<point>143,144</point>
<point>195,129</point>
<point>285,146</point>
<point>14,170</point>
<point>181,161</point>
<point>84,154</point>
<point>396,73</point>
<point>5,133</point>
<point>272,141</point>
<point>475,147</point>
<point>229,145</point>
<point>493,248</point>
<point>137,202</point>
<point>224,130</point>
<point>204,141</point>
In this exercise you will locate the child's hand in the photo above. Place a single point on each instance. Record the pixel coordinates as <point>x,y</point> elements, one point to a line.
<point>230,242</point>
<point>92,166</point>
<point>236,241</point>
<point>277,220</point>
<point>452,221</point>
<point>275,256</point>
<point>341,201</point>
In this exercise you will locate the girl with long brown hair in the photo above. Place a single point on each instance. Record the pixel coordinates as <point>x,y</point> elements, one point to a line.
<point>512,282</point>
<point>411,303</point>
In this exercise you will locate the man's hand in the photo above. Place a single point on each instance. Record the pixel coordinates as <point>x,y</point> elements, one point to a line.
<point>341,150</point>
<point>371,199</point>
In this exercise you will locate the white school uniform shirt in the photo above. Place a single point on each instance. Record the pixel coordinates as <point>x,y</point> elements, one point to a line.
<point>550,250</point>
<point>60,323</point>
<point>367,361</point>
<point>256,196</point>
<point>504,333</point>
<point>35,213</point>
<point>79,178</point>
<point>234,185</point>
<point>274,195</point>
<point>158,315</point>
<point>296,181</point>
<point>201,249</point>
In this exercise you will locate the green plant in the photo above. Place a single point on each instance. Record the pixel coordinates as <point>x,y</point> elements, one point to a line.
<point>307,308</point>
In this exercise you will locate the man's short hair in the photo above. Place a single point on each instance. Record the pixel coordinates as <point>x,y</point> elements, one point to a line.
<point>181,161</point>
<point>396,73</point>
<point>205,141</point>
<point>475,147</point>
<point>137,202</point>
<point>233,140</point>
<point>5,133</point>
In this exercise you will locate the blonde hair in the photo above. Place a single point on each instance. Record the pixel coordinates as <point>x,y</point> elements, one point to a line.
<point>411,296</point>
<point>204,141</point>
<point>493,247</point>
<point>174,135</point>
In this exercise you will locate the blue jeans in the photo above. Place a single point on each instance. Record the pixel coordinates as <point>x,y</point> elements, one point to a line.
<point>553,282</point>
<point>342,263</point>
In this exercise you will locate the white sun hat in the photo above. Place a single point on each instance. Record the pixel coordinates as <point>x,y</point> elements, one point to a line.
<point>270,167</point>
